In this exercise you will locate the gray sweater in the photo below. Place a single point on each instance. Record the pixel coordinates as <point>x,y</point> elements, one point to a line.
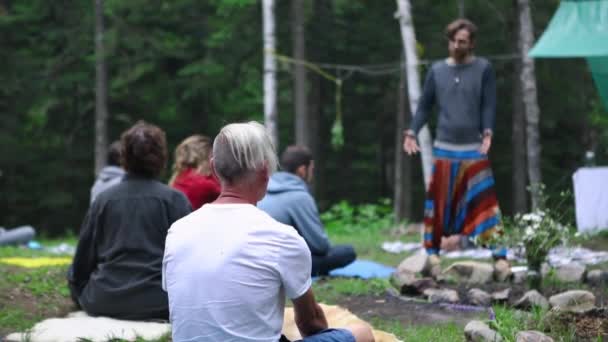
<point>289,202</point>
<point>466,98</point>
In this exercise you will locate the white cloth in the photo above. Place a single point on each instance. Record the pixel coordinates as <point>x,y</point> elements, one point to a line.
<point>227,269</point>
<point>591,198</point>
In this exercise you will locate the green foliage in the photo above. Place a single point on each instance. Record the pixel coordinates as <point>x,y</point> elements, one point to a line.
<point>330,290</point>
<point>192,66</point>
<point>346,218</point>
<point>538,232</point>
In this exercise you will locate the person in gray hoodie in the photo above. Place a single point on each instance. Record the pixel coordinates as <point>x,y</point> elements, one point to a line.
<point>111,174</point>
<point>288,200</point>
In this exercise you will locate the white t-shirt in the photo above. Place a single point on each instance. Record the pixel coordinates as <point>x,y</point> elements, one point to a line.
<point>227,269</point>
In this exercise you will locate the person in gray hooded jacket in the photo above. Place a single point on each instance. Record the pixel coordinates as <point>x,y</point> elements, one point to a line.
<point>288,200</point>
<point>111,174</point>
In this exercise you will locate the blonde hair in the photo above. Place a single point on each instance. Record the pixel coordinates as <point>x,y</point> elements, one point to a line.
<point>242,148</point>
<point>194,153</point>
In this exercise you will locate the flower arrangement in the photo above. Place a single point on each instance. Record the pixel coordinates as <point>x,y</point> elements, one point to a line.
<point>536,233</point>
<point>540,232</point>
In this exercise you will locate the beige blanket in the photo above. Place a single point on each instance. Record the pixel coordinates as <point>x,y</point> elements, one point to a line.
<point>78,325</point>
<point>337,317</point>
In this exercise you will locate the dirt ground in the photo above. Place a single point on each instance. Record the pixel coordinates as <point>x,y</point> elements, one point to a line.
<point>409,313</point>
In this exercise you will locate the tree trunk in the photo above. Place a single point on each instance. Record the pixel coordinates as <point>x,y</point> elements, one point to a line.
<point>402,200</point>
<point>322,10</point>
<point>302,118</point>
<point>101,90</point>
<point>270,69</point>
<point>518,137</point>
<point>413,83</point>
<point>461,9</point>
<point>528,88</point>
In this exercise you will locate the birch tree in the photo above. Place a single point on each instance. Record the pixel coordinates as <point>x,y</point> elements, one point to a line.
<point>101,90</point>
<point>270,70</point>
<point>302,117</point>
<point>413,83</point>
<point>528,89</point>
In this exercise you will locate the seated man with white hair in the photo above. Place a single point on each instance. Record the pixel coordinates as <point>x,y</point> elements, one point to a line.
<point>229,266</point>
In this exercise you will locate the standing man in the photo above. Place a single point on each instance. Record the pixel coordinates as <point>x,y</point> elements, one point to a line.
<point>228,266</point>
<point>461,198</point>
<point>289,201</point>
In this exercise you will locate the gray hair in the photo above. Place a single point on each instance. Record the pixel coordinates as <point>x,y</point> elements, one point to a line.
<point>240,149</point>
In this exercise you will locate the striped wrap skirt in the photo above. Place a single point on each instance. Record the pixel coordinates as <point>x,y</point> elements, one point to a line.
<point>461,198</point>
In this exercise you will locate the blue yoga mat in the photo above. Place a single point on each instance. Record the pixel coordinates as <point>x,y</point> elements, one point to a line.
<point>364,269</point>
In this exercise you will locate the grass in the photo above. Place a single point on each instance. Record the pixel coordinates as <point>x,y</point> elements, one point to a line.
<point>30,295</point>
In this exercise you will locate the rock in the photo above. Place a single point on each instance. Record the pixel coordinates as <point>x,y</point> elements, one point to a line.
<point>573,301</point>
<point>519,276</point>
<point>572,272</point>
<point>477,331</point>
<point>418,286</point>
<point>414,263</point>
<point>472,272</point>
<point>442,295</point>
<point>432,267</point>
<point>530,299</point>
<point>502,270</point>
<point>501,296</point>
<point>479,297</point>
<point>532,336</point>
<point>400,278</point>
<point>597,277</point>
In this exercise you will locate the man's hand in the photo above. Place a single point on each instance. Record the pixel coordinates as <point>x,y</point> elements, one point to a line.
<point>485,144</point>
<point>410,146</point>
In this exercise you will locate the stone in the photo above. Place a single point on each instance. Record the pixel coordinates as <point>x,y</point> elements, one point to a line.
<point>520,276</point>
<point>472,272</point>
<point>530,299</point>
<point>415,263</point>
<point>401,278</point>
<point>501,296</point>
<point>532,336</point>
<point>597,277</point>
<point>573,301</point>
<point>502,270</point>
<point>418,287</point>
<point>479,297</point>
<point>477,331</point>
<point>572,272</point>
<point>432,267</point>
<point>442,295</point>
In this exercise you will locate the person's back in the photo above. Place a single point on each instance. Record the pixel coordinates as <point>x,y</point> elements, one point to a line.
<point>192,173</point>
<point>198,188</point>
<point>128,249</point>
<point>251,260</point>
<point>116,270</point>
<point>289,201</point>
<point>109,175</point>
<point>228,267</point>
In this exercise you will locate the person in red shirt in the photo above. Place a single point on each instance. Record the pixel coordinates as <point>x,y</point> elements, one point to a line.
<point>192,172</point>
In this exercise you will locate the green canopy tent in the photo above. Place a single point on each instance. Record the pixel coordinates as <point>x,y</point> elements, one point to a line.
<point>579,28</point>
